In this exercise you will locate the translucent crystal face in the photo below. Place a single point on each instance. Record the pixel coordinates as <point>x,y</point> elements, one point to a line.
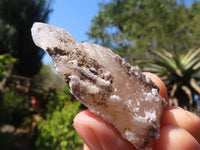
<point>105,83</point>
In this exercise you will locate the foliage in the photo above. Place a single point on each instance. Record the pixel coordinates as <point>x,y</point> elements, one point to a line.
<point>56,131</point>
<point>16,19</point>
<point>13,108</point>
<point>58,100</point>
<point>5,61</point>
<point>179,71</point>
<point>47,78</point>
<point>131,27</point>
<point>53,131</point>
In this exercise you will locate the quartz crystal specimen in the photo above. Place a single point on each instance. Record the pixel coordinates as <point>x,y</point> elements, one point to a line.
<point>105,83</point>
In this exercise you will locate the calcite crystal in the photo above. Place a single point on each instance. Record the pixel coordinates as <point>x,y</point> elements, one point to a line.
<point>105,83</point>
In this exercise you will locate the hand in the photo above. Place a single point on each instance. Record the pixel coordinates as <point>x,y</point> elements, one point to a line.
<point>180,129</point>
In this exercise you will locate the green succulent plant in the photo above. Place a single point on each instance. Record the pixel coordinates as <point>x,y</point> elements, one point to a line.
<point>180,72</point>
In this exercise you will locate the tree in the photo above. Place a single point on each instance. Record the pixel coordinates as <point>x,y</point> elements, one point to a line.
<point>131,27</point>
<point>16,19</point>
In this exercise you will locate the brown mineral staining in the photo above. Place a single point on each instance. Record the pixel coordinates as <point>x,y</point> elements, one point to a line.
<point>105,83</point>
<point>56,51</point>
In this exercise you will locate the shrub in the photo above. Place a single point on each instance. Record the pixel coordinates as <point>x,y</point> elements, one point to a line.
<point>13,108</point>
<point>56,132</point>
<point>5,61</point>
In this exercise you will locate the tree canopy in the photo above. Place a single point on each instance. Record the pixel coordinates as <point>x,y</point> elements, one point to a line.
<point>131,27</point>
<point>16,19</point>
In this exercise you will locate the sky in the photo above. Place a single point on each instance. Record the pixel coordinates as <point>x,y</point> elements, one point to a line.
<point>75,16</point>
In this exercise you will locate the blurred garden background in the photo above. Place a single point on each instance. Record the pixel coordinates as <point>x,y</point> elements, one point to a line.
<point>36,107</point>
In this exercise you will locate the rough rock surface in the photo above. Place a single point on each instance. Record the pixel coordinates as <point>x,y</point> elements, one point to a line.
<point>105,83</point>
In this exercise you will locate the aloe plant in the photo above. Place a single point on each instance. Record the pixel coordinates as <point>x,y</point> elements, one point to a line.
<point>180,72</point>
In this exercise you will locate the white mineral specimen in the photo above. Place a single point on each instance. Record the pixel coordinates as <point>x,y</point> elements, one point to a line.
<point>105,83</point>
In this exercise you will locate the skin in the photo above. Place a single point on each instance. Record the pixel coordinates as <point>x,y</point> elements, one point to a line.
<point>180,129</point>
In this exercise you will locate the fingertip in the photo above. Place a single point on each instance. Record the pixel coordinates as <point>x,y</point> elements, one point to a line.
<point>88,136</point>
<point>181,118</point>
<point>83,117</point>
<point>172,137</point>
<point>160,84</point>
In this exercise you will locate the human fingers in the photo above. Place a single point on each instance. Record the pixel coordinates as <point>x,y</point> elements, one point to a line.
<point>98,134</point>
<point>186,123</point>
<point>159,83</point>
<point>183,119</point>
<point>175,138</point>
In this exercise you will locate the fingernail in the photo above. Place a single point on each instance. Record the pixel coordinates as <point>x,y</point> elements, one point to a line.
<point>88,136</point>
<point>169,108</point>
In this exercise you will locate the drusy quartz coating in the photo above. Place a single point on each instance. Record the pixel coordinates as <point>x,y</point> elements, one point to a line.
<point>105,83</point>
